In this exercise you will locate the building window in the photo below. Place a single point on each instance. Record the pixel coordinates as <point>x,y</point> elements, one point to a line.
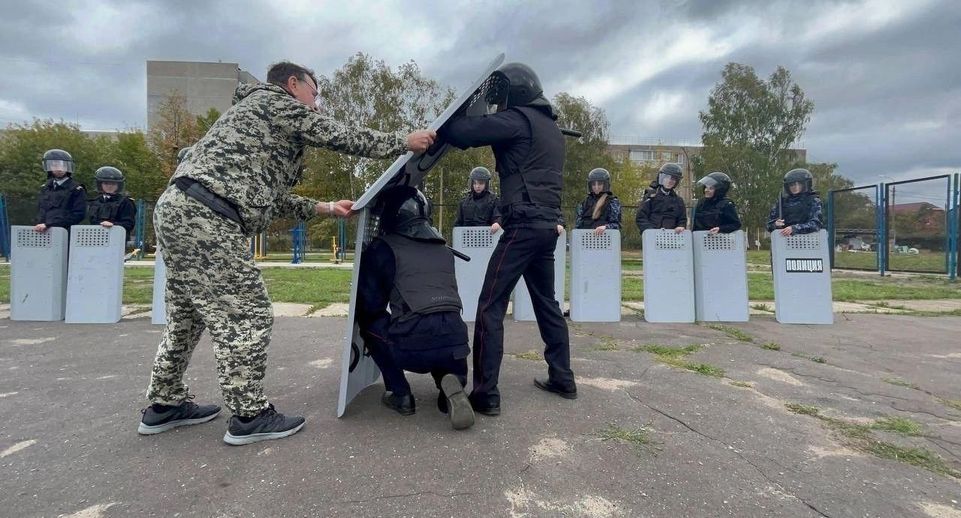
<point>667,156</point>
<point>642,155</point>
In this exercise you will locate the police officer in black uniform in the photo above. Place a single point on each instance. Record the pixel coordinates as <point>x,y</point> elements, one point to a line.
<point>410,269</point>
<point>62,201</point>
<point>798,209</point>
<point>661,207</point>
<point>112,206</point>
<point>529,150</point>
<point>715,212</point>
<point>600,210</point>
<point>479,206</point>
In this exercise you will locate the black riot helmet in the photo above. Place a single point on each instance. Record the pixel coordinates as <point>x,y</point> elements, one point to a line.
<point>57,160</point>
<point>407,212</point>
<point>108,174</point>
<point>720,182</point>
<point>515,84</point>
<point>669,170</point>
<point>479,174</point>
<point>183,153</point>
<point>599,174</point>
<point>802,176</point>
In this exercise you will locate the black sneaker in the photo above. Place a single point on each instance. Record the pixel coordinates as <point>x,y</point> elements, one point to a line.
<point>403,405</point>
<point>160,418</point>
<point>460,412</point>
<point>550,386</point>
<point>268,424</point>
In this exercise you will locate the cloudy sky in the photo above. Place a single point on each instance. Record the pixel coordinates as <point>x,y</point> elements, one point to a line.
<point>885,75</point>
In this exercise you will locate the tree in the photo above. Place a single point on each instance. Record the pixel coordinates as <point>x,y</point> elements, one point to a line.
<point>749,127</point>
<point>175,129</point>
<point>205,121</point>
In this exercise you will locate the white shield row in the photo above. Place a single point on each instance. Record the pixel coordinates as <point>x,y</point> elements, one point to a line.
<point>84,285</point>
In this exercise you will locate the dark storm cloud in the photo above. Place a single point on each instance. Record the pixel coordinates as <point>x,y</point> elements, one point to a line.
<point>885,75</point>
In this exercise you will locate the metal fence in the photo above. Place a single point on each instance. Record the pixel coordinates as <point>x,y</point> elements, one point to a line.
<point>904,226</point>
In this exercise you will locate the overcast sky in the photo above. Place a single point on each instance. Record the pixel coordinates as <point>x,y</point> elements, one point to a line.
<point>885,75</point>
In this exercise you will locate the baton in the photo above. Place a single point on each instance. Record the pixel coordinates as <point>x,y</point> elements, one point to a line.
<point>459,255</point>
<point>571,133</point>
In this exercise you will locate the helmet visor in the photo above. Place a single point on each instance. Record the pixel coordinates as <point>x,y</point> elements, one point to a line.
<point>58,165</point>
<point>666,181</point>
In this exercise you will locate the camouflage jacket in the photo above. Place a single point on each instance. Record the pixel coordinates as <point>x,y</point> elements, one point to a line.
<point>253,155</point>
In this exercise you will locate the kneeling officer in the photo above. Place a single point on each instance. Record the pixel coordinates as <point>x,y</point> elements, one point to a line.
<point>410,269</point>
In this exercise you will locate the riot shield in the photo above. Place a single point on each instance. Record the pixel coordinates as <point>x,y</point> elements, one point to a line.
<point>668,276</point>
<point>95,276</point>
<point>802,278</point>
<point>477,243</point>
<point>596,276</point>
<point>38,273</point>
<point>720,277</point>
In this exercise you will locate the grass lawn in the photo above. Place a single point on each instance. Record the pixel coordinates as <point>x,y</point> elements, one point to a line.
<point>321,287</point>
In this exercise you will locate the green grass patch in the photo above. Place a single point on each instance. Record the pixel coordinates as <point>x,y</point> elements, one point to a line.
<point>670,352</point>
<point>4,283</point>
<point>733,332</point>
<point>798,408</point>
<point>951,403</point>
<point>901,383</point>
<point>606,343</point>
<point>742,384</point>
<point>761,307</point>
<point>529,355</point>
<point>859,437</point>
<point>900,425</point>
<point>705,369</point>
<point>771,346</point>
<point>639,438</point>
<point>818,359</point>
<point>919,457</point>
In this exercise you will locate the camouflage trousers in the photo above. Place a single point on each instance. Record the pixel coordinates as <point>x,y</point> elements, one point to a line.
<point>212,283</point>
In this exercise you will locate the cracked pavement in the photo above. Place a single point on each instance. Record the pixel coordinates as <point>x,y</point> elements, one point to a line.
<point>719,446</point>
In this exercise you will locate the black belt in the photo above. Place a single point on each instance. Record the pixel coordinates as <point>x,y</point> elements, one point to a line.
<point>197,191</point>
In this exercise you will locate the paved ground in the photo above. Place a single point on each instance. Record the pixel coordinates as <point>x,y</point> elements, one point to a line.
<point>644,438</point>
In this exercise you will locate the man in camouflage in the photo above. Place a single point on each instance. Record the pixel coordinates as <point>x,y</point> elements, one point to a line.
<point>234,181</point>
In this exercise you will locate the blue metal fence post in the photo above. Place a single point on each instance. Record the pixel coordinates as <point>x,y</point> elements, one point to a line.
<point>882,224</point>
<point>4,228</point>
<point>954,226</point>
<point>831,238</point>
<point>139,229</point>
<point>298,237</point>
<point>342,239</point>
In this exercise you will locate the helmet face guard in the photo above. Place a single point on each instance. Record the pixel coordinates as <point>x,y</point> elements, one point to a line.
<point>109,174</point>
<point>798,176</point>
<point>668,181</point>
<point>57,160</point>
<point>718,182</point>
<point>406,212</point>
<point>479,174</point>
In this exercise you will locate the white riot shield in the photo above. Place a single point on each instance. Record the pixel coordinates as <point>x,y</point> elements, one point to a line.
<point>802,278</point>
<point>38,273</point>
<point>720,277</point>
<point>158,312</point>
<point>95,276</point>
<point>595,276</point>
<point>523,307</point>
<point>358,369</point>
<point>478,243</point>
<point>668,276</point>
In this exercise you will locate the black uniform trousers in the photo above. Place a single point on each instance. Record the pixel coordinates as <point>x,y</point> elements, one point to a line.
<point>393,361</point>
<point>528,252</point>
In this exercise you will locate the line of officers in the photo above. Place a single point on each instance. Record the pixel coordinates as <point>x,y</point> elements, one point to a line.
<point>63,201</point>
<point>797,210</point>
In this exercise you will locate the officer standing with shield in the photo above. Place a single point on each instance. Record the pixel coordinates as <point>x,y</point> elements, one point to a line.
<point>798,209</point>
<point>479,206</point>
<point>715,212</point>
<point>600,210</point>
<point>661,207</point>
<point>112,206</point>
<point>529,150</point>
<point>230,186</point>
<point>62,201</point>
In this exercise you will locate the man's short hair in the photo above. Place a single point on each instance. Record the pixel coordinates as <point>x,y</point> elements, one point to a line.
<point>279,72</point>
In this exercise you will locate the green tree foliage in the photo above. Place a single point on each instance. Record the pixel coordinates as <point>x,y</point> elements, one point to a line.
<point>205,121</point>
<point>749,127</point>
<point>174,129</point>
